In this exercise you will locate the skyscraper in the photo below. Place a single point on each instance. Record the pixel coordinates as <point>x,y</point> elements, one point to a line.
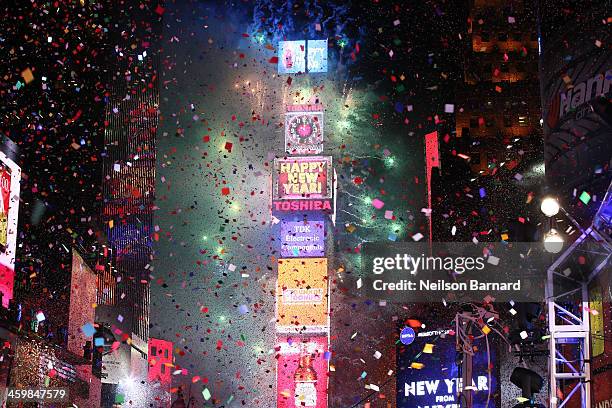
<point>499,99</point>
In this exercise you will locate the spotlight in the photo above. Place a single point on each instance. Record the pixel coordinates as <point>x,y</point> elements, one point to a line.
<point>550,206</point>
<point>530,383</point>
<point>553,241</point>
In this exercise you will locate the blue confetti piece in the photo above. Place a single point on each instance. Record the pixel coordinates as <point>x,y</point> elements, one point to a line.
<point>88,329</point>
<point>392,237</point>
<point>327,355</point>
<point>243,309</point>
<point>399,107</point>
<point>98,341</point>
<point>483,193</point>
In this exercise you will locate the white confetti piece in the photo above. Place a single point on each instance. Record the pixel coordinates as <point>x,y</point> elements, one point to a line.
<point>417,237</point>
<point>493,260</point>
<point>377,355</point>
<point>359,283</point>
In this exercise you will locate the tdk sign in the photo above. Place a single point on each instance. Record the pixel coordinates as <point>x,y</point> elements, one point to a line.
<point>407,335</point>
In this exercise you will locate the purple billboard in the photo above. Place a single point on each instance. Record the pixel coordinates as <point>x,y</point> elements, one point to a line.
<point>301,239</point>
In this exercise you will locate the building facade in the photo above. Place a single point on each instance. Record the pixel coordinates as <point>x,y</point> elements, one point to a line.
<point>499,98</point>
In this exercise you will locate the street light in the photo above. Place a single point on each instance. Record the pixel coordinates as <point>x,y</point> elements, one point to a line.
<point>553,241</point>
<point>550,206</point>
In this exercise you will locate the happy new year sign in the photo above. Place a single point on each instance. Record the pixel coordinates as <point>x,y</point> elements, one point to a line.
<point>303,178</point>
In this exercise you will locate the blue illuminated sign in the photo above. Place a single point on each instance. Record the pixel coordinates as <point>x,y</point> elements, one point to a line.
<point>436,381</point>
<point>407,335</point>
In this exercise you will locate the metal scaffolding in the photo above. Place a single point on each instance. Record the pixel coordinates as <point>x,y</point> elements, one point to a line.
<point>567,297</point>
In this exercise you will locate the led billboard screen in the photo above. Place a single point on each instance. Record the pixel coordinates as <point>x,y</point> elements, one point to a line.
<point>302,372</point>
<point>428,375</point>
<point>302,295</point>
<point>302,239</point>
<point>291,57</point>
<point>304,131</point>
<point>10,175</point>
<point>317,56</point>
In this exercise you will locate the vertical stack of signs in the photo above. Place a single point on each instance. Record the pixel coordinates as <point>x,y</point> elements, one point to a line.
<point>303,190</point>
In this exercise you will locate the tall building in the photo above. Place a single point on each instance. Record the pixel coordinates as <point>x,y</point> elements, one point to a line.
<point>129,180</point>
<point>499,100</point>
<point>576,73</point>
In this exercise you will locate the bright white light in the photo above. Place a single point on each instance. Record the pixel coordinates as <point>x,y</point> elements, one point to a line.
<point>553,242</point>
<point>128,382</point>
<point>550,206</point>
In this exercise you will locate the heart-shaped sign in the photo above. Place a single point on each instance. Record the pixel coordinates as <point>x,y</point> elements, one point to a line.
<point>304,130</point>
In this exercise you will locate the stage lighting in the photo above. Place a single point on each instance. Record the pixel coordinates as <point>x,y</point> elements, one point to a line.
<point>553,242</point>
<point>530,383</point>
<point>550,206</point>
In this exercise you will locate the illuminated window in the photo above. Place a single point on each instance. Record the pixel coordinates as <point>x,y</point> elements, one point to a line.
<point>523,120</point>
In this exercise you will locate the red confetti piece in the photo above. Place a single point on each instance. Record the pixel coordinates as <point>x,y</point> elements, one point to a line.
<point>225,191</point>
<point>273,60</point>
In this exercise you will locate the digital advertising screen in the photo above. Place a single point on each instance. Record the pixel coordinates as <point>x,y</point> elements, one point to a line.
<point>291,57</point>
<point>317,56</point>
<point>304,132</point>
<point>302,184</point>
<point>83,289</point>
<point>302,372</point>
<point>302,295</point>
<point>428,375</point>
<point>302,239</point>
<point>10,175</point>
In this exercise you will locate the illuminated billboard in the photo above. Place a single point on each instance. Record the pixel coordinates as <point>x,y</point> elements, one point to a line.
<point>302,295</point>
<point>304,129</point>
<point>302,372</point>
<point>10,175</point>
<point>302,239</point>
<point>302,179</point>
<point>428,375</point>
<point>302,56</point>
<point>83,289</point>
<point>317,56</point>
<point>291,57</point>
